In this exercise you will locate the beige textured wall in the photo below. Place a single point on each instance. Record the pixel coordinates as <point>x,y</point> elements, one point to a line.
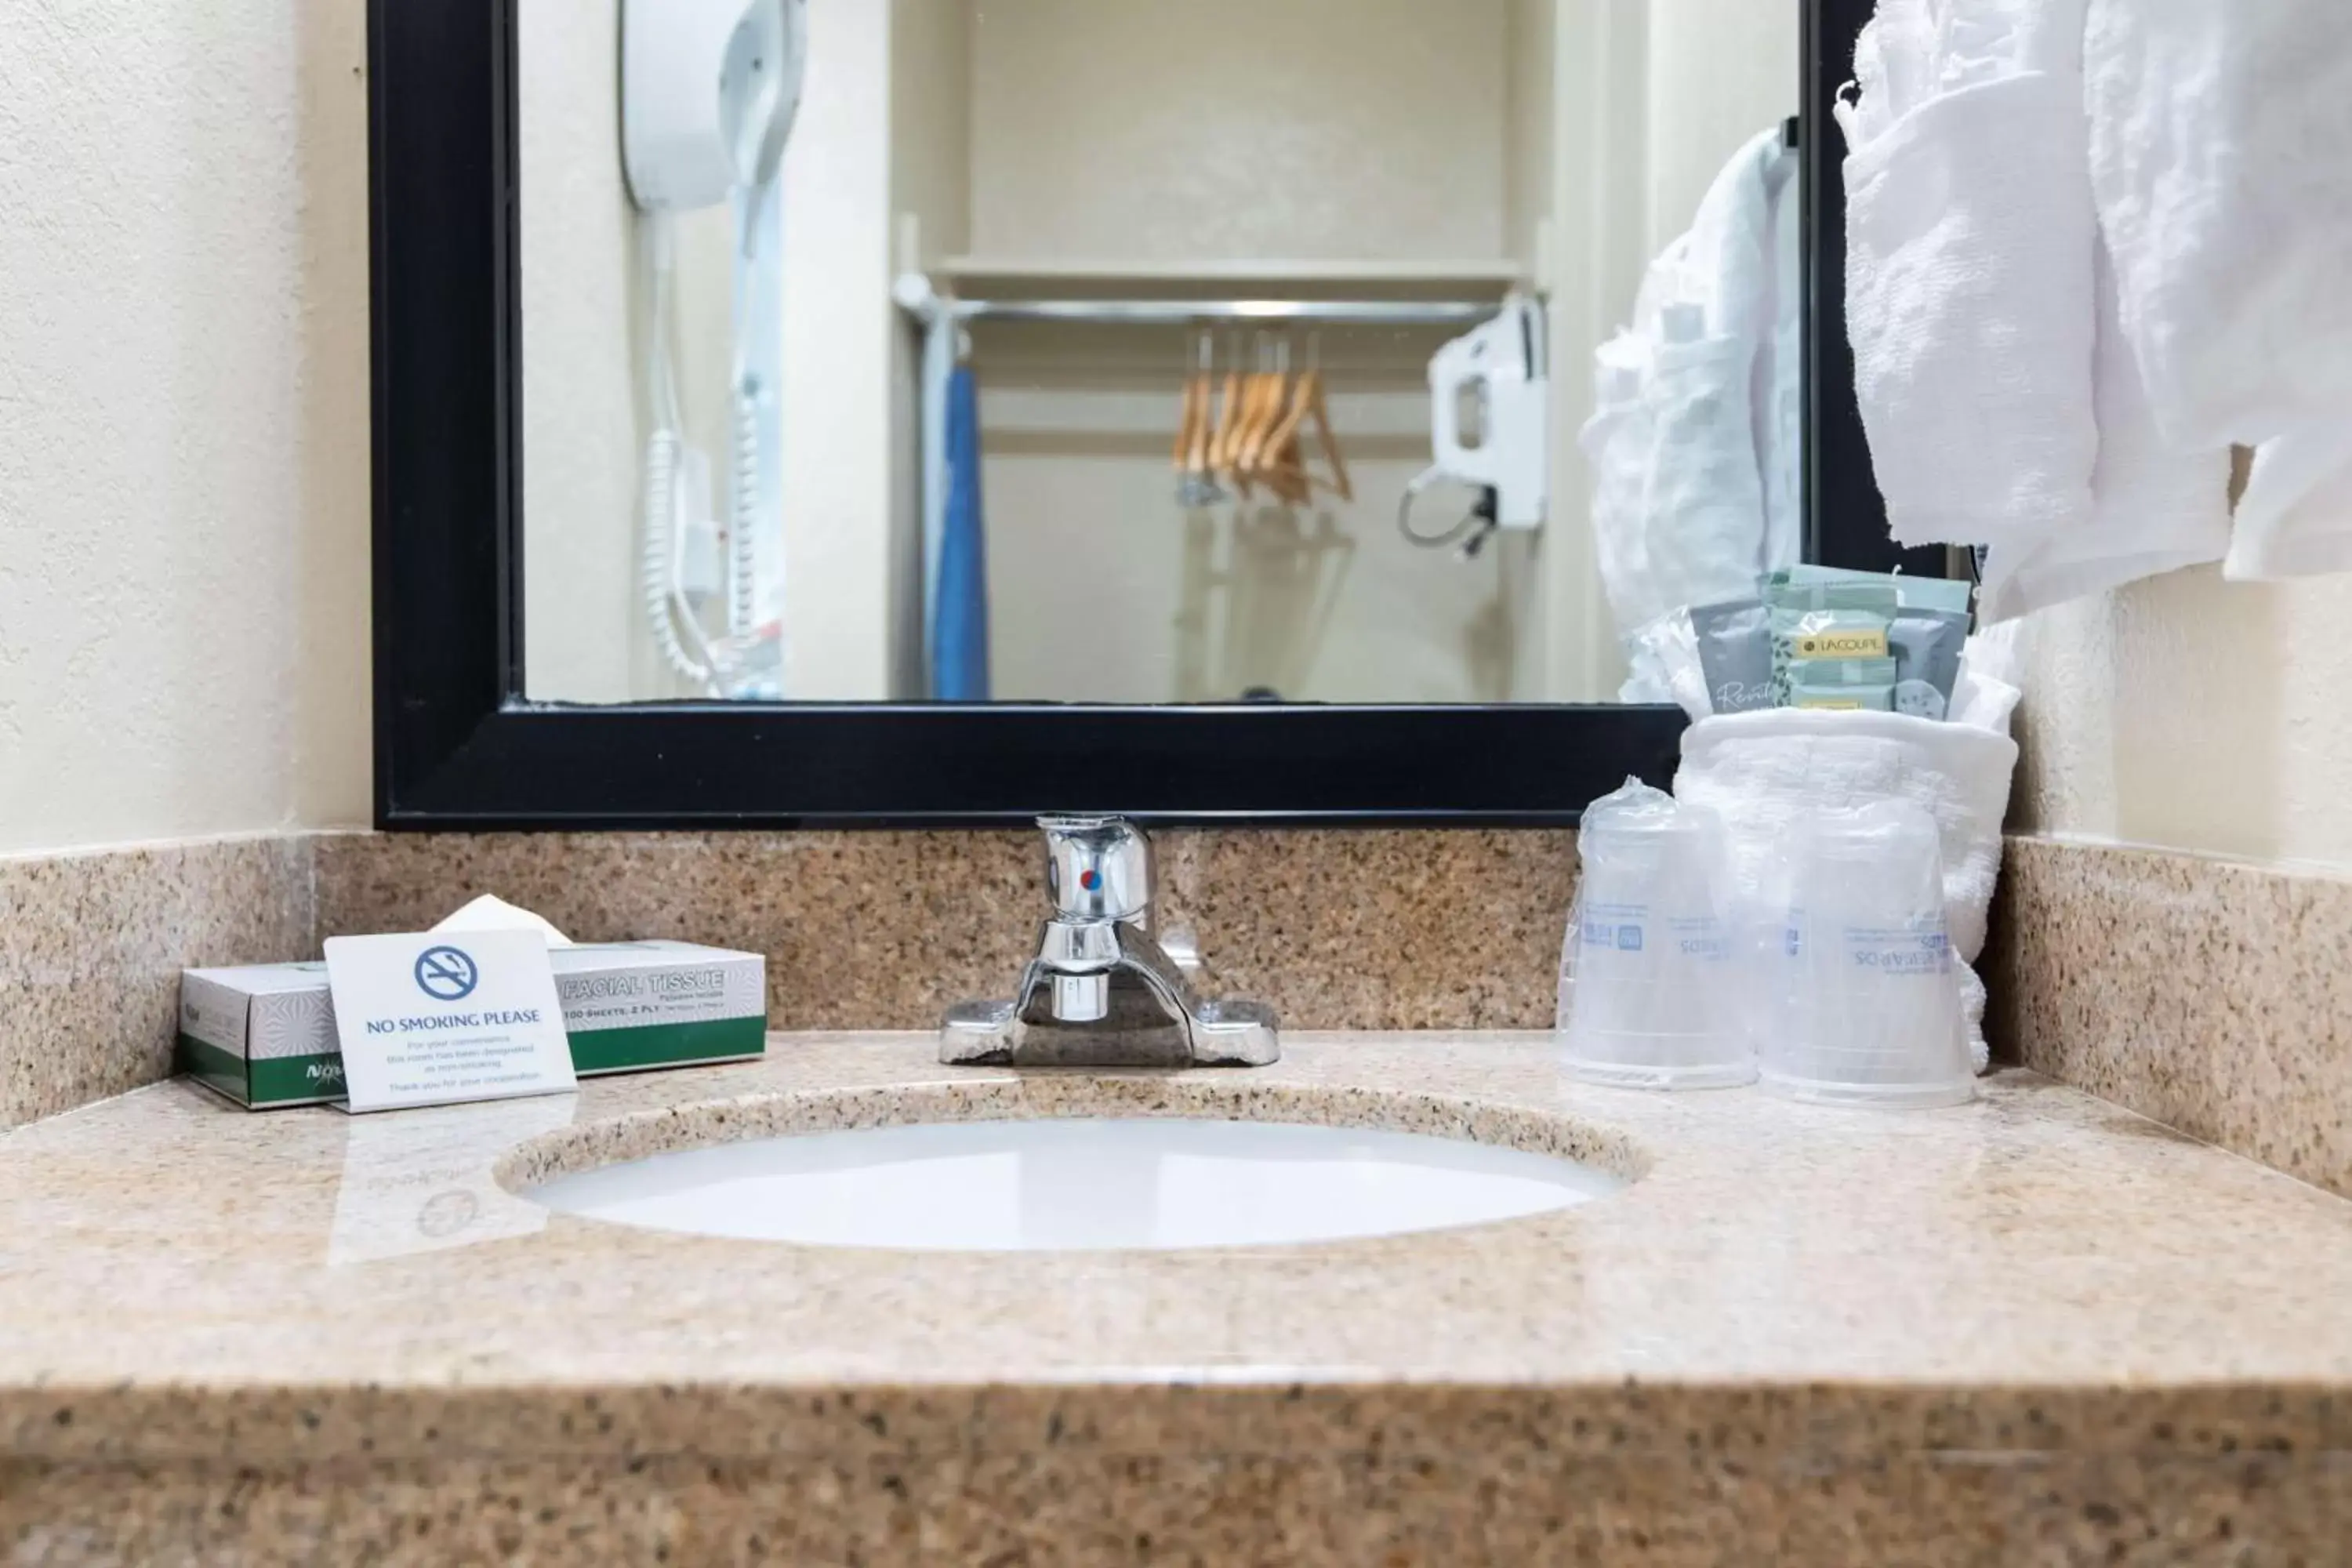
<point>1720,71</point>
<point>1132,129</point>
<point>930,198</point>
<point>839,327</point>
<point>1531,39</point>
<point>584,637</point>
<point>2196,714</point>
<point>184,418</point>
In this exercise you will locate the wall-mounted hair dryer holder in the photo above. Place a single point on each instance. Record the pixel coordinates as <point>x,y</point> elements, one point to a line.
<point>1502,364</point>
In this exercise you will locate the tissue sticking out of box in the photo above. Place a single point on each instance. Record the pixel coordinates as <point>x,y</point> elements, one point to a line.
<point>492,913</point>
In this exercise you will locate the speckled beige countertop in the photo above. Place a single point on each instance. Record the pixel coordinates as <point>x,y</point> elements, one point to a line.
<point>1933,1337</point>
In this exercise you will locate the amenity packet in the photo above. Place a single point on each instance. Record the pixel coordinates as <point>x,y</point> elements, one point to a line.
<point>1927,645</point>
<point>1818,623</point>
<point>1843,685</point>
<point>1926,637</point>
<point>1735,654</point>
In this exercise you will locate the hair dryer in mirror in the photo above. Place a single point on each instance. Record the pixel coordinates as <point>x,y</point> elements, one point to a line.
<point>1498,375</point>
<point>709,89</point>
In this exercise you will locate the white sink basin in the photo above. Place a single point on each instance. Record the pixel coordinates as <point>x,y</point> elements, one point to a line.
<point>1071,1184</point>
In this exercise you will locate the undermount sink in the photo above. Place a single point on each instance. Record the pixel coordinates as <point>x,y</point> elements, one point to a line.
<point>1071,1184</point>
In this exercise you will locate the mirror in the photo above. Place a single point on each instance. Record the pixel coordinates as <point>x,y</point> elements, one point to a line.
<point>1146,352</point>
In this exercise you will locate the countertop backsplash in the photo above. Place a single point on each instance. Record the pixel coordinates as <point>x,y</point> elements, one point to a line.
<point>1336,929</point>
<point>2202,993</point>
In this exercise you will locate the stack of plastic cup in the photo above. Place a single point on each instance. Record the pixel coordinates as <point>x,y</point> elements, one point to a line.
<point>1863,999</point>
<point>1647,998</point>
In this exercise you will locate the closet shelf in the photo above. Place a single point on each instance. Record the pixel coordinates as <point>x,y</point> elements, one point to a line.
<point>1013,276</point>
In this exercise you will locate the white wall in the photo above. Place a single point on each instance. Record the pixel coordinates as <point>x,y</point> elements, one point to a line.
<point>1531,131</point>
<point>184,418</point>
<point>839,329</point>
<point>582,436</point>
<point>2195,715</point>
<point>1651,97</point>
<point>1134,130</point>
<point>930,197</point>
<point>1720,71</point>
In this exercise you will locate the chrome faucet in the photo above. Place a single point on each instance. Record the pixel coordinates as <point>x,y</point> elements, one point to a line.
<point>1102,992</point>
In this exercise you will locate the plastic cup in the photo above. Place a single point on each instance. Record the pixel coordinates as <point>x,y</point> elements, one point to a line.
<point>1862,997</point>
<point>1648,998</point>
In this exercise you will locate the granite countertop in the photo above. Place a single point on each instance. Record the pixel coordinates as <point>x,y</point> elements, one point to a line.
<point>2039,1270</point>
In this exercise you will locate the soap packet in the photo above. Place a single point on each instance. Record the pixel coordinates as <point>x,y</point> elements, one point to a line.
<point>1843,685</point>
<point>1926,636</point>
<point>1735,654</point>
<point>1817,622</point>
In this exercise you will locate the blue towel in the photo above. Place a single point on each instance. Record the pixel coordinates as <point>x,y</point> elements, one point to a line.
<point>960,610</point>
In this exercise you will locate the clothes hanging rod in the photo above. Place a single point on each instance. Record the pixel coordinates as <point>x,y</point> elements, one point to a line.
<point>1199,312</point>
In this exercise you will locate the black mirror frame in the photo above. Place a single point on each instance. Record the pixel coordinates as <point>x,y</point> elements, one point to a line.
<point>458,748</point>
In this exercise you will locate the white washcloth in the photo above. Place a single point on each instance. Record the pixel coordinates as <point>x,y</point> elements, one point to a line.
<point>1970,301</point>
<point>2154,508</point>
<point>2296,518</point>
<point>2221,156</point>
<point>1761,772</point>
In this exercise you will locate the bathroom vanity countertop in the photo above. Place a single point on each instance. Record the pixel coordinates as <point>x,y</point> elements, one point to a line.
<point>2038,1271</point>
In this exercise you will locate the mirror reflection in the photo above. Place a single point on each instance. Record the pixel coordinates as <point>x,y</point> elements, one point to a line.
<point>1124,350</point>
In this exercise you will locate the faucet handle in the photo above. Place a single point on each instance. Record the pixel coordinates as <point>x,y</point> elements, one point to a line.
<point>1096,868</point>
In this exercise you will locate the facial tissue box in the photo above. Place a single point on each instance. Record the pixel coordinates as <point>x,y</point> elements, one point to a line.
<point>264,1035</point>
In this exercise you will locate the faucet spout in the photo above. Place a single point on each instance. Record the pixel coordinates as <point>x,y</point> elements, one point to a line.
<point>1101,991</point>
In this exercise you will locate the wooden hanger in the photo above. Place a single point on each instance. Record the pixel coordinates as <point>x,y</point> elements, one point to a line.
<point>1319,409</point>
<point>1189,420</point>
<point>1241,448</point>
<point>1307,400</point>
<point>1224,445</point>
<point>1197,464</point>
<point>1196,484</point>
<point>1273,396</point>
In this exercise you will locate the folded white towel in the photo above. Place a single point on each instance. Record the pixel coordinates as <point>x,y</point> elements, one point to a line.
<point>1780,383</point>
<point>1761,772</point>
<point>2221,156</point>
<point>1703,503</point>
<point>2296,518</point>
<point>1616,443</point>
<point>1984,40</point>
<point>1894,69</point>
<point>1970,301</point>
<point>2154,507</point>
<point>1691,447</point>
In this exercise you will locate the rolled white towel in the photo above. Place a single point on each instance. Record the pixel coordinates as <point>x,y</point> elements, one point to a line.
<point>1970,301</point>
<point>2296,518</point>
<point>2154,507</point>
<point>1761,771</point>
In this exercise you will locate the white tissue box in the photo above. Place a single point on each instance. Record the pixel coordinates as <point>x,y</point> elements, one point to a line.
<point>264,1035</point>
